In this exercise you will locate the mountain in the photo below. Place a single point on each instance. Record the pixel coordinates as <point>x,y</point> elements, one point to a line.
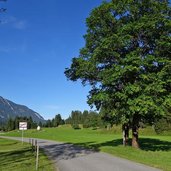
<point>9,109</point>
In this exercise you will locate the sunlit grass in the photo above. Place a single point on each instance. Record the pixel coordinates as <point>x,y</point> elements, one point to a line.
<point>155,150</point>
<point>17,157</point>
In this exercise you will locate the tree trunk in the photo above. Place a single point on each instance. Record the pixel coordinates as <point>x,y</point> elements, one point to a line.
<point>125,131</point>
<point>135,126</point>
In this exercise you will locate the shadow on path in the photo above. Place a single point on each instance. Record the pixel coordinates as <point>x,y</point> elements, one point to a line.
<point>65,151</point>
<point>83,156</point>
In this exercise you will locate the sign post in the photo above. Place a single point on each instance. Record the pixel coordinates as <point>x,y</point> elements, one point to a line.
<point>37,156</point>
<point>22,126</point>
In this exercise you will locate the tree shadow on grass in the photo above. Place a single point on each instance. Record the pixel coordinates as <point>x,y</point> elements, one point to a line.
<point>20,159</point>
<point>13,157</point>
<point>151,144</point>
<point>146,144</point>
<point>96,146</point>
<point>8,144</point>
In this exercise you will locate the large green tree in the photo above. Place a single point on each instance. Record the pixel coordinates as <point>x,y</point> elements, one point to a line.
<point>127,60</point>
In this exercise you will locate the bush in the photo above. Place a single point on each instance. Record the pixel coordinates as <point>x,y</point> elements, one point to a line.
<point>75,126</point>
<point>162,125</point>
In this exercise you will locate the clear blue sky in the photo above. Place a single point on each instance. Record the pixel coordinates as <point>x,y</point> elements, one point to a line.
<point>38,40</point>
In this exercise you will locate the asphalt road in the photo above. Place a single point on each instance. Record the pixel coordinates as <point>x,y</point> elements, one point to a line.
<point>68,157</point>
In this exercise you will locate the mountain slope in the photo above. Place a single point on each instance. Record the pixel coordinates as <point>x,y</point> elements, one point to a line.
<point>9,109</point>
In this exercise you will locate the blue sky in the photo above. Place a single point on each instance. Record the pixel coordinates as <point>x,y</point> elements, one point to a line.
<point>38,40</point>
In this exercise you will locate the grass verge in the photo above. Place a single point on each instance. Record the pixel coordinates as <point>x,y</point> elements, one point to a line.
<point>155,150</point>
<point>17,157</point>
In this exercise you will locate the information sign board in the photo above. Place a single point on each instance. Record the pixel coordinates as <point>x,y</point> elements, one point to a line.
<point>22,125</point>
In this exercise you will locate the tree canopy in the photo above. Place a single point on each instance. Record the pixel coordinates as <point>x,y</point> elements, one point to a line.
<point>127,59</point>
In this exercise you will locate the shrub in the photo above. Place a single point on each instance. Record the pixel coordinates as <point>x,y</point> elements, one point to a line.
<point>162,125</point>
<point>75,126</point>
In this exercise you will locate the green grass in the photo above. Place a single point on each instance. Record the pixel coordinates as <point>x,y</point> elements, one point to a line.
<point>17,157</point>
<point>155,150</point>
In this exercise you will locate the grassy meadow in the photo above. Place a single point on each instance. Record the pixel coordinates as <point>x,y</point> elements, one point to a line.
<point>17,157</point>
<point>155,150</point>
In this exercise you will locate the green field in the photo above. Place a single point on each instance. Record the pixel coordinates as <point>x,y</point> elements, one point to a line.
<point>17,157</point>
<point>155,150</point>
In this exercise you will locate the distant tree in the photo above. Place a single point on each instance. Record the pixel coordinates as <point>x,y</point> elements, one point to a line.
<point>16,122</point>
<point>29,122</point>
<point>163,124</point>
<point>84,116</point>
<point>62,122</point>
<point>52,122</point>
<point>126,60</point>
<point>76,117</point>
<point>2,126</point>
<point>68,120</point>
<point>34,125</point>
<point>40,124</point>
<point>92,120</point>
<point>13,123</point>
<point>87,119</point>
<point>57,120</point>
<point>48,123</point>
<point>10,125</point>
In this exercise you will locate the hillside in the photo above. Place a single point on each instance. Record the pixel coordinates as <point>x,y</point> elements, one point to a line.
<point>9,109</point>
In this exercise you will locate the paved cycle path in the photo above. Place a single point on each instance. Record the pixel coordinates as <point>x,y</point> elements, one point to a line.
<point>68,157</point>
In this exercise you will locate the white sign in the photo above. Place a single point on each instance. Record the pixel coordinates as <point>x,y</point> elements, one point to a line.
<point>22,125</point>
